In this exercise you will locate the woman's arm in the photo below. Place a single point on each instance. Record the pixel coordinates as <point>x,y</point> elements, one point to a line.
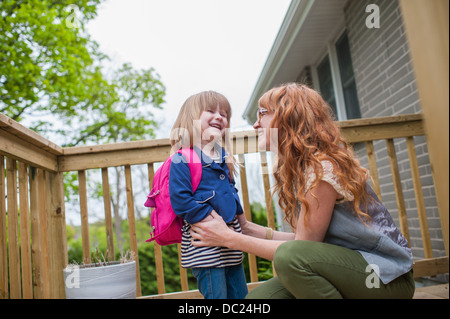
<point>216,233</point>
<point>258,231</point>
<point>321,202</point>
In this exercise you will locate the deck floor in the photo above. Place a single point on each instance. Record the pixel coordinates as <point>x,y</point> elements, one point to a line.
<point>428,292</point>
<point>432,292</point>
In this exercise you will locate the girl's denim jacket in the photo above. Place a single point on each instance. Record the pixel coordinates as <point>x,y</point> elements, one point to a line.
<point>216,190</point>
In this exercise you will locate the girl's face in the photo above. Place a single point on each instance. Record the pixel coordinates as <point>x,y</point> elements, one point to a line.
<point>262,125</point>
<point>213,124</point>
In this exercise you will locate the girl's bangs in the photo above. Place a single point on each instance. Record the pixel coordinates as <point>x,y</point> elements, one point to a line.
<point>212,99</point>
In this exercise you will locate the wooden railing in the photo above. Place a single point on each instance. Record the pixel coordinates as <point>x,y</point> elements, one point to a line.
<point>33,244</point>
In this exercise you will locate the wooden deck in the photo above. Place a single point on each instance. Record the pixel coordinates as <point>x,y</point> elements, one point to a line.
<point>432,292</point>
<point>33,243</point>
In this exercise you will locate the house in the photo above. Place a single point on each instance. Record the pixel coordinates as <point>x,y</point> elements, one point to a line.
<point>357,54</point>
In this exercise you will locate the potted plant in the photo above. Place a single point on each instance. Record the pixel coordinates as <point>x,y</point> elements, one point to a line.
<point>102,279</point>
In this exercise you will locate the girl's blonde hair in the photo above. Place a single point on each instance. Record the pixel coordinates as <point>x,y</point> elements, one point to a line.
<point>184,129</point>
<point>308,135</point>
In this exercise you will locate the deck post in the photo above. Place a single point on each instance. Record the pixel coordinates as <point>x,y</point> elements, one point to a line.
<point>57,244</point>
<point>427,30</point>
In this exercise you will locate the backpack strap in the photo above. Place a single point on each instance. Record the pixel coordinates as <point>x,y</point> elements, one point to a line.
<point>195,166</point>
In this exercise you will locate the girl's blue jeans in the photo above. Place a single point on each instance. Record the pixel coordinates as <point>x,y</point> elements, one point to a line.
<point>221,283</point>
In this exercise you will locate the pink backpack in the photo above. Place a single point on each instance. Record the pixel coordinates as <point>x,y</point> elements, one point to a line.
<point>165,223</point>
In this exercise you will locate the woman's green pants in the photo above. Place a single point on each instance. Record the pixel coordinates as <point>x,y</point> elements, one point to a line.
<point>307,269</point>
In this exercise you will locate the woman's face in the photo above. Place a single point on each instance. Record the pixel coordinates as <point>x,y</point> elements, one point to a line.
<point>266,134</point>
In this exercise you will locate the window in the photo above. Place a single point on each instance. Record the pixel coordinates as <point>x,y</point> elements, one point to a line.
<point>326,84</point>
<point>347,78</point>
<point>336,80</point>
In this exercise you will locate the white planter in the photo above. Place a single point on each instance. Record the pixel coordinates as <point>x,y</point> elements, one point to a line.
<point>105,282</point>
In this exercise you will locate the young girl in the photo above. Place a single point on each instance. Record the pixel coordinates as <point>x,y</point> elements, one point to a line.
<point>345,243</point>
<point>201,125</point>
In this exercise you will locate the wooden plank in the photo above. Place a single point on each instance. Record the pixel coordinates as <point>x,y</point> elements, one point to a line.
<point>373,168</point>
<point>43,232</point>
<point>356,134</point>
<point>159,269</point>
<point>253,267</point>
<point>112,147</point>
<point>432,292</point>
<point>24,151</point>
<point>267,196</point>
<point>430,267</point>
<point>108,215</point>
<point>12,127</point>
<point>58,257</point>
<point>4,291</point>
<point>25,244</point>
<point>380,120</point>
<point>113,158</point>
<point>13,230</point>
<point>132,225</point>
<point>183,272</point>
<point>192,294</point>
<point>398,189</point>
<point>38,290</point>
<point>82,190</point>
<point>244,142</point>
<point>419,198</point>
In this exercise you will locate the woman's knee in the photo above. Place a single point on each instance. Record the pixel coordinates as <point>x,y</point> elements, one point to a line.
<point>290,255</point>
<point>282,256</point>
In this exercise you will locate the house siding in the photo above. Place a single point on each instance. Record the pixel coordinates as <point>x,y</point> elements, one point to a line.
<point>386,86</point>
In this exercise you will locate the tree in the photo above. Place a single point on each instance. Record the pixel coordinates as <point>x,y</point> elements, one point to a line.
<point>52,76</point>
<point>50,67</point>
<point>46,65</point>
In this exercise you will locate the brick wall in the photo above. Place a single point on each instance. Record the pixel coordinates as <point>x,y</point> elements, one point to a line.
<point>386,86</point>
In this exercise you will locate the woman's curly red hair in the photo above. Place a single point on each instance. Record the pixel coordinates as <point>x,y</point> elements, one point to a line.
<point>308,135</point>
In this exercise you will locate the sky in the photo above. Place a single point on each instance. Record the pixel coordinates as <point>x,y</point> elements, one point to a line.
<point>194,45</point>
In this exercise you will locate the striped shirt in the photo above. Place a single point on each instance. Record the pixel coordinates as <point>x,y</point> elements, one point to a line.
<point>193,257</point>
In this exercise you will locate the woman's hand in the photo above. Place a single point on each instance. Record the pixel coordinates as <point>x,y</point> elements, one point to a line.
<point>211,232</point>
<point>216,233</point>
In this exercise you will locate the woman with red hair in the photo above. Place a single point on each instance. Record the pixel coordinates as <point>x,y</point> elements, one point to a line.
<point>344,242</point>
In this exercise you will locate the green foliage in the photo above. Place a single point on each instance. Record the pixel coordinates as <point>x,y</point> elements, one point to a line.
<point>146,252</point>
<point>51,68</point>
<point>42,58</point>
<point>265,269</point>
